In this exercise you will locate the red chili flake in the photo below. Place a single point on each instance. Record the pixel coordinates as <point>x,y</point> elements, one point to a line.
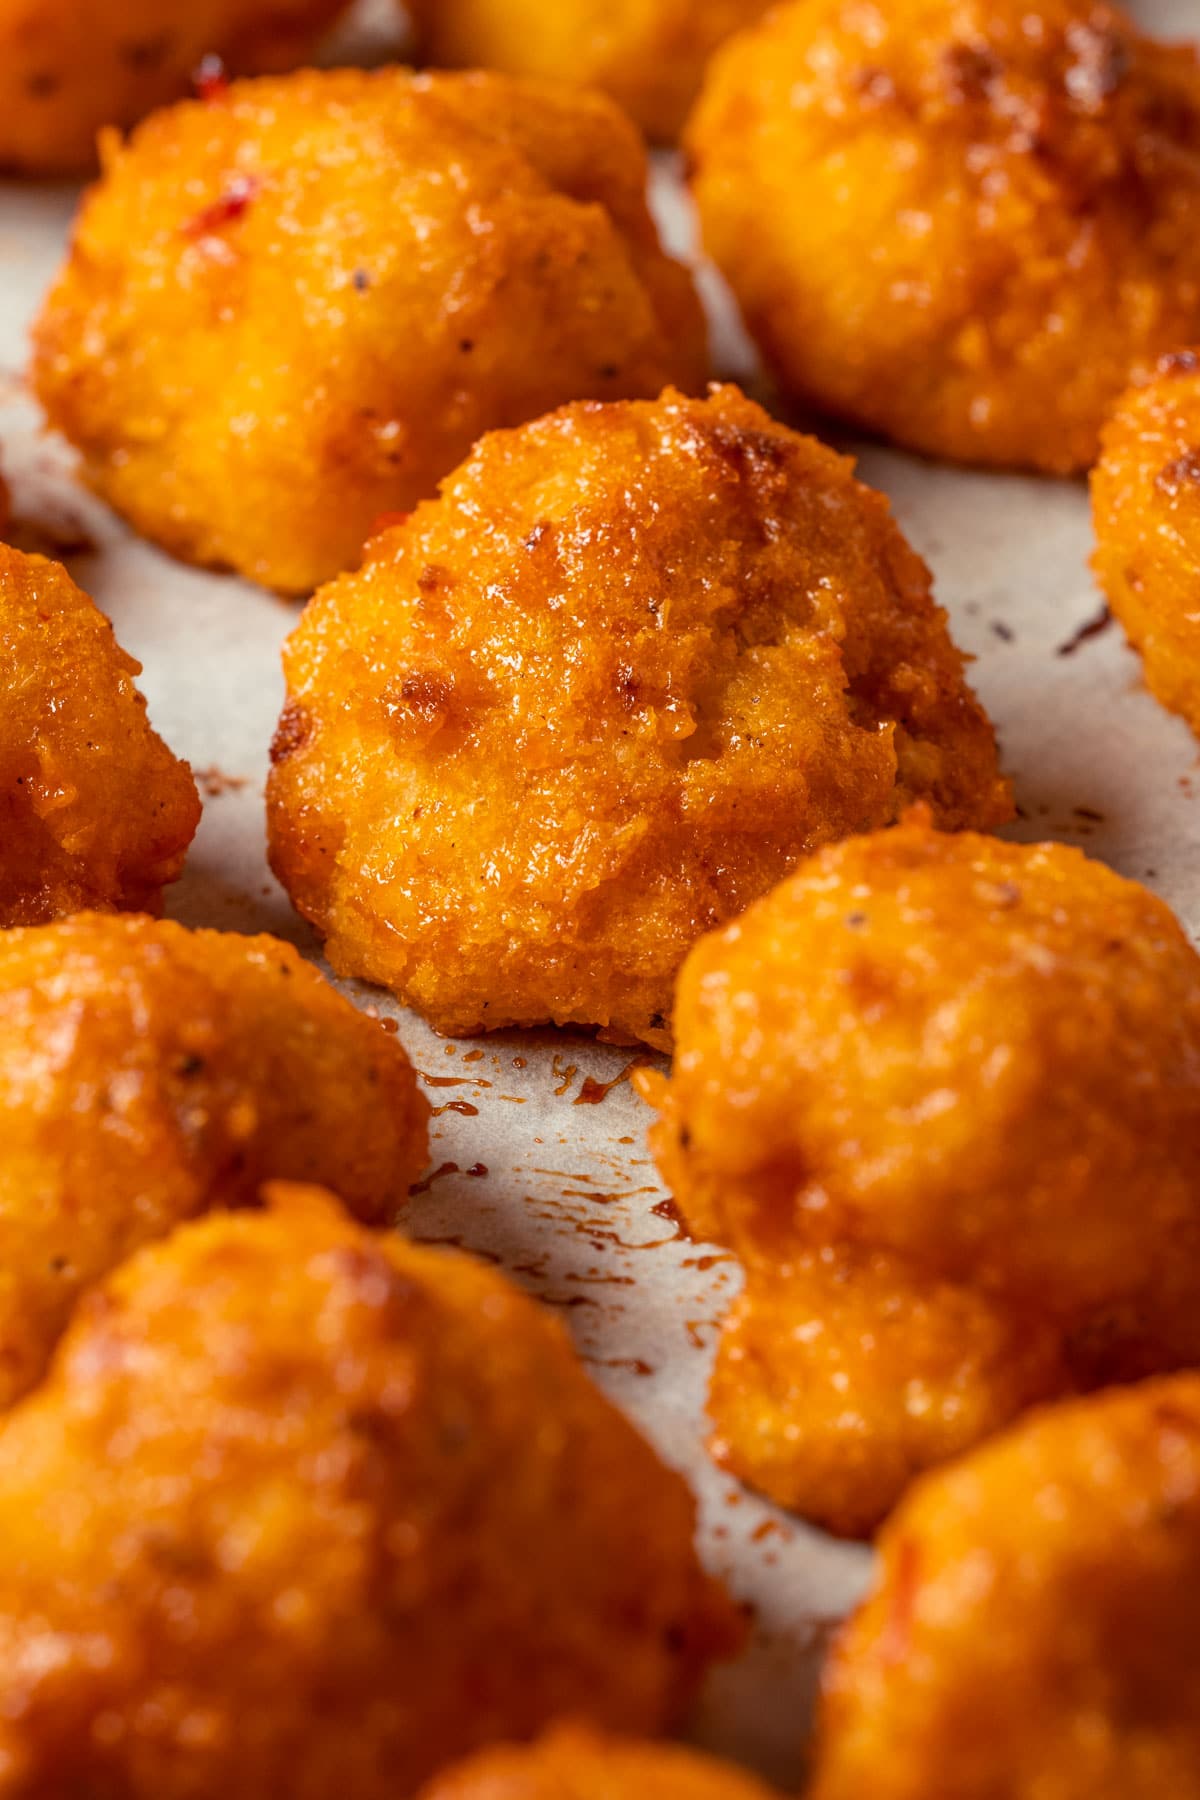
<point>225,211</point>
<point>210,78</point>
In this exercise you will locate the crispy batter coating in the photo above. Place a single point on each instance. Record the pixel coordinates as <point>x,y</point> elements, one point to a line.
<point>94,809</point>
<point>147,1073</point>
<point>603,693</point>
<point>1035,1628</point>
<point>648,54</point>
<point>1146,503</point>
<point>965,224</point>
<point>574,1763</point>
<point>69,67</point>
<point>295,308</point>
<point>942,1096</point>
<point>304,1510</point>
<point>842,1372</point>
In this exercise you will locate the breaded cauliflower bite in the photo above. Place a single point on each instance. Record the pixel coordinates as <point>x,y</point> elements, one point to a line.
<point>95,811</point>
<point>633,663</point>
<point>296,307</point>
<point>964,224</point>
<point>70,67</point>
<point>1035,1627</point>
<point>1146,504</point>
<point>941,1094</point>
<point>649,55</point>
<point>573,1763</point>
<point>148,1072</point>
<point>300,1509</point>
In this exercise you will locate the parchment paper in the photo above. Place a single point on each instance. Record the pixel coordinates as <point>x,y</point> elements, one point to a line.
<point>535,1166</point>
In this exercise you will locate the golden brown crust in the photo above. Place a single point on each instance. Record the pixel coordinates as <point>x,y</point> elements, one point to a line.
<point>598,697</point>
<point>1146,503</point>
<point>302,1509</point>
<point>966,224</point>
<point>1035,1627</point>
<point>942,1096</point>
<point>148,1073</point>
<point>649,55</point>
<point>844,1373</point>
<point>70,67</point>
<point>261,342</point>
<point>95,811</point>
<point>574,1763</point>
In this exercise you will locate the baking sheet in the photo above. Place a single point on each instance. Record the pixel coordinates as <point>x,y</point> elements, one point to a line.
<point>539,1159</point>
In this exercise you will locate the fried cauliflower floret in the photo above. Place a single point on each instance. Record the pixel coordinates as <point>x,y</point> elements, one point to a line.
<point>295,308</point>
<point>1146,503</point>
<point>634,662</point>
<point>965,224</point>
<point>1035,1628</point>
<point>648,54</point>
<point>942,1096</point>
<point>842,1372</point>
<point>304,1510</point>
<point>573,1763</point>
<point>70,67</point>
<point>94,809</point>
<point>148,1073</point>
